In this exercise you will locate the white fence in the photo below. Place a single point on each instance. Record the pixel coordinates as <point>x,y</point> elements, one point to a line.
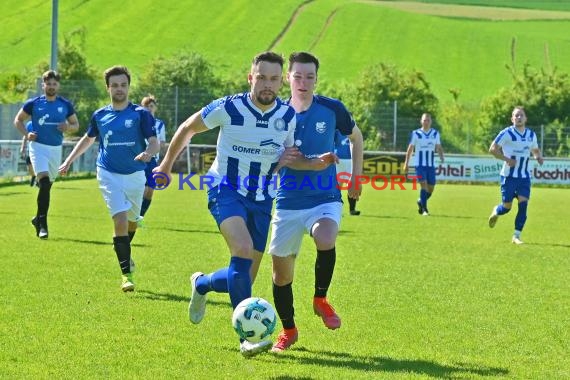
<point>13,165</point>
<point>457,167</point>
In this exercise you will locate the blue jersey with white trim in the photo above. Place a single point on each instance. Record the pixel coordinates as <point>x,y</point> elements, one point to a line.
<point>342,146</point>
<point>46,116</point>
<point>122,136</point>
<point>517,146</point>
<point>424,147</point>
<point>250,143</point>
<point>315,135</point>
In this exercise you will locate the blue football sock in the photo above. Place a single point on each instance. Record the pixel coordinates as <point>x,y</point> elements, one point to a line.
<point>501,210</point>
<point>521,216</point>
<point>216,281</point>
<point>239,280</point>
<point>423,197</point>
<point>428,195</point>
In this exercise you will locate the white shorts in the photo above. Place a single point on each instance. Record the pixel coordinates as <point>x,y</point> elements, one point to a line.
<point>289,226</point>
<point>45,158</point>
<point>122,192</point>
<point>344,166</point>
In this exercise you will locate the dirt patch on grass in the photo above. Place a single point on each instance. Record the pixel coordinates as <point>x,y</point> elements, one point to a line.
<point>475,12</point>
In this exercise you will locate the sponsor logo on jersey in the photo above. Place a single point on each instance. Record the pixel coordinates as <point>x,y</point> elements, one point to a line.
<point>321,126</point>
<point>271,143</point>
<point>128,123</point>
<point>245,149</point>
<point>279,124</point>
<point>42,120</point>
<point>60,109</point>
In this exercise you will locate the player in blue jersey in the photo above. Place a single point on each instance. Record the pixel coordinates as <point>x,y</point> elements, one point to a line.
<point>424,142</point>
<point>514,145</point>
<point>342,151</point>
<point>25,154</point>
<point>149,102</point>
<point>255,128</point>
<point>310,200</point>
<point>51,116</point>
<point>122,128</point>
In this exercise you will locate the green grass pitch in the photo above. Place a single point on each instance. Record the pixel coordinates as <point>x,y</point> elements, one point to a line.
<point>441,296</point>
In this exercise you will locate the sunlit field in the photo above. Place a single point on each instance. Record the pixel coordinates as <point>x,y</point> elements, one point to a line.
<point>441,296</point>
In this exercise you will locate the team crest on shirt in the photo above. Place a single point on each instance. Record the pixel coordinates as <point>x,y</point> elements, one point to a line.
<point>321,126</point>
<point>60,109</point>
<point>128,123</point>
<point>279,124</point>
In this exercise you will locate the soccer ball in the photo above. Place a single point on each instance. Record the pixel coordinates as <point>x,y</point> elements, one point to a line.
<point>254,319</point>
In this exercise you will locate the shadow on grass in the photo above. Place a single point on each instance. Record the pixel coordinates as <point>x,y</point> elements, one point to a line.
<point>363,216</point>
<point>379,364</point>
<point>95,242</point>
<point>154,296</point>
<point>456,217</point>
<point>548,245</point>
<point>7,194</point>
<point>183,230</point>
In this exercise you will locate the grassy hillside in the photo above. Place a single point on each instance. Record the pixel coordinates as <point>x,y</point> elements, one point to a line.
<point>469,54</point>
<point>559,5</point>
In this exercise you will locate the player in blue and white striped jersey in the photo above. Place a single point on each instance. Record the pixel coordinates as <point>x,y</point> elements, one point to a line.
<point>514,145</point>
<point>255,128</point>
<point>424,142</point>
<point>342,150</point>
<point>123,129</point>
<point>51,115</point>
<point>149,102</point>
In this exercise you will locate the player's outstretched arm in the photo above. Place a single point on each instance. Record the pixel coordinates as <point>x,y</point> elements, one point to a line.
<point>191,126</point>
<point>439,150</point>
<point>80,148</point>
<point>497,152</point>
<point>538,156</point>
<point>71,125</point>
<point>152,149</point>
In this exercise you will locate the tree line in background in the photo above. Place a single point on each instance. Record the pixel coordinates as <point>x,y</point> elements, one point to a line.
<point>545,94</point>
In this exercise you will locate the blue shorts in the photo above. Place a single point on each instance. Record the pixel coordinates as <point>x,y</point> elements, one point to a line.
<point>150,182</point>
<point>426,173</point>
<point>514,187</point>
<point>224,203</point>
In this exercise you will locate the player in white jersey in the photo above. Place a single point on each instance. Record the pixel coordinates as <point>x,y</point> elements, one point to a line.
<point>149,102</point>
<point>51,116</point>
<point>255,128</point>
<point>424,142</point>
<point>514,145</point>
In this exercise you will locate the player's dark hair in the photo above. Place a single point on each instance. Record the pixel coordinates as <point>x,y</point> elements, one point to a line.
<point>268,56</point>
<point>303,57</point>
<point>50,74</point>
<point>147,100</point>
<point>117,70</point>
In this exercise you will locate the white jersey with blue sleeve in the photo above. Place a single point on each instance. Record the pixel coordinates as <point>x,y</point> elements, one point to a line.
<point>250,143</point>
<point>160,129</point>
<point>122,137</point>
<point>46,116</point>
<point>424,147</point>
<point>517,146</point>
